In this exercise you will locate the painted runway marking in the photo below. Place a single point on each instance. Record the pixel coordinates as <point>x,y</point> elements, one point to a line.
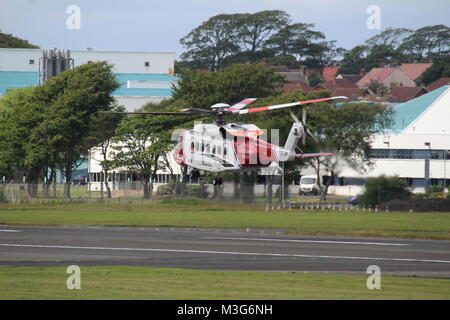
<point>10,230</point>
<point>313,241</point>
<point>224,252</point>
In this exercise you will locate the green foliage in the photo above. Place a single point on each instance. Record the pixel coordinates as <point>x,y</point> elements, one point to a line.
<point>314,80</point>
<point>165,189</point>
<point>198,191</point>
<point>439,69</point>
<point>434,189</point>
<point>383,189</point>
<point>426,43</point>
<point>10,41</point>
<point>2,195</point>
<point>229,85</point>
<point>47,127</point>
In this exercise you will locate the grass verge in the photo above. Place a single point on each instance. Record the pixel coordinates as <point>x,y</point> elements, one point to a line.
<point>97,283</point>
<point>185,213</point>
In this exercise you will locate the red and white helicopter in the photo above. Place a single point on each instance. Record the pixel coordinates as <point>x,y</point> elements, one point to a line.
<point>222,146</point>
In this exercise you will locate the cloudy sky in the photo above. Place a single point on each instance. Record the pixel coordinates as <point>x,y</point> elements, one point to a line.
<point>158,25</point>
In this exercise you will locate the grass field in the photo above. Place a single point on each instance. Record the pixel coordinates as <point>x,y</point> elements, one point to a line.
<point>197,213</point>
<point>166,283</point>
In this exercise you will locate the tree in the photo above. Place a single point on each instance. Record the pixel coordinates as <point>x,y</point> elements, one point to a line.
<point>71,98</point>
<point>439,69</point>
<point>383,189</point>
<point>20,113</point>
<point>229,85</point>
<point>139,146</point>
<point>10,41</point>
<point>354,60</point>
<point>346,130</point>
<point>254,29</point>
<point>211,42</point>
<point>427,43</point>
<point>100,134</point>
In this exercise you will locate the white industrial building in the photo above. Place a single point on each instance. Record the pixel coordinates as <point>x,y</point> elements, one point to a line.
<point>144,76</point>
<point>417,148</point>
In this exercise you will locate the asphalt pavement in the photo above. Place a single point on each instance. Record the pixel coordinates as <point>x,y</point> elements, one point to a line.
<point>220,249</point>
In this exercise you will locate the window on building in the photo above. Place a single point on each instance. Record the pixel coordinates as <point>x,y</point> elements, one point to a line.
<point>31,61</point>
<point>147,63</point>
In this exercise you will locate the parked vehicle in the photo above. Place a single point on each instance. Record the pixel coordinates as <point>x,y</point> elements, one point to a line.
<point>309,185</point>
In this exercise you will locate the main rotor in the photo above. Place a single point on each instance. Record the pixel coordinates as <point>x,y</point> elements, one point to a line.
<point>220,110</point>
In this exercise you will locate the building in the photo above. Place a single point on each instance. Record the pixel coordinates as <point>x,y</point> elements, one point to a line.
<point>387,77</point>
<point>416,148</point>
<point>414,70</point>
<point>403,94</point>
<point>438,83</point>
<point>144,76</point>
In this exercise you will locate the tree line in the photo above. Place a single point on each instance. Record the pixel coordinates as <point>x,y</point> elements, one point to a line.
<point>271,36</point>
<point>55,125</point>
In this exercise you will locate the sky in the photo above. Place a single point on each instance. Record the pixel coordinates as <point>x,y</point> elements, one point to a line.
<point>158,25</point>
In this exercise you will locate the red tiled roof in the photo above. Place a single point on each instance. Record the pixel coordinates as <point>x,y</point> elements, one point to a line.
<point>376,74</point>
<point>414,70</point>
<point>296,85</point>
<point>403,94</point>
<point>337,83</point>
<point>351,93</point>
<point>329,73</point>
<point>438,83</point>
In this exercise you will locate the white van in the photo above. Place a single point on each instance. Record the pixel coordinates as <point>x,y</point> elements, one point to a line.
<point>308,184</point>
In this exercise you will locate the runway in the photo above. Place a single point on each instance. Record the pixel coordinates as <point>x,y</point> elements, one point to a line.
<point>220,249</point>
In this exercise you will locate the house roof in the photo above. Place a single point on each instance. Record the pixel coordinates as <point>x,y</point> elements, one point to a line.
<point>293,75</point>
<point>329,73</point>
<point>336,83</point>
<point>406,113</point>
<point>403,94</point>
<point>350,77</point>
<point>349,92</point>
<point>376,74</point>
<point>438,83</point>
<point>414,70</point>
<point>296,85</point>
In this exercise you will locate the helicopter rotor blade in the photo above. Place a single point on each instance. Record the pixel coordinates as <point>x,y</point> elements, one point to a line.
<point>204,113</point>
<point>285,105</point>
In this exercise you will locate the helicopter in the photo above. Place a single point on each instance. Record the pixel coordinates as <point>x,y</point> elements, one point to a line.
<point>223,146</point>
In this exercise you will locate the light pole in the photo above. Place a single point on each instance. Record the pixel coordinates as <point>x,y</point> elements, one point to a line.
<point>427,166</point>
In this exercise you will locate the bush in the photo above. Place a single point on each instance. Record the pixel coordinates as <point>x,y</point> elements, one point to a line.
<point>383,189</point>
<point>2,195</point>
<point>164,189</point>
<point>197,191</point>
<point>434,189</point>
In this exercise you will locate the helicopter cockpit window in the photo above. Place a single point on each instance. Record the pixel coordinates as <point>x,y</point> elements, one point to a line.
<point>192,146</point>
<point>213,150</point>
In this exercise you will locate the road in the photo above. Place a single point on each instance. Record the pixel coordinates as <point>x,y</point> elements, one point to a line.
<point>220,249</point>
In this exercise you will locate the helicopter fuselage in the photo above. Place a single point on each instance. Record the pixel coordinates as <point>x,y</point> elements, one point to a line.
<point>225,147</point>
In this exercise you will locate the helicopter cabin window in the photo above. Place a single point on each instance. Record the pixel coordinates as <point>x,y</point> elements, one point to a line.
<point>203,147</point>
<point>207,148</point>
<point>219,150</point>
<point>224,151</point>
<point>214,150</point>
<point>192,146</point>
